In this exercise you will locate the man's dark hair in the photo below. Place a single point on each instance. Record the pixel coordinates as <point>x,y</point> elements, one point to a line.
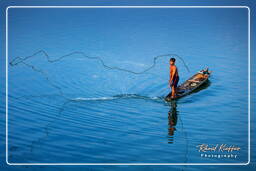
<point>172,59</point>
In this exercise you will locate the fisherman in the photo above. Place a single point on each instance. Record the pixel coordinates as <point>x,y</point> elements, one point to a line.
<point>174,77</point>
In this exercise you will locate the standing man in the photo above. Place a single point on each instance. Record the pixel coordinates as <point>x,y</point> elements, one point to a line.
<point>174,77</point>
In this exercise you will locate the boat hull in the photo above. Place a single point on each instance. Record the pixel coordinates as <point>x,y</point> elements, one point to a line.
<point>189,86</point>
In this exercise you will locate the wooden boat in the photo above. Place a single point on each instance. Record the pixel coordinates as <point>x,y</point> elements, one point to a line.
<point>192,84</point>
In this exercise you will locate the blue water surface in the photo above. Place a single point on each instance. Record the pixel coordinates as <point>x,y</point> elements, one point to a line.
<point>86,85</point>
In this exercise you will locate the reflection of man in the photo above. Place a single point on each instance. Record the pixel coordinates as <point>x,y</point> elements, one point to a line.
<point>172,118</point>
<point>174,77</point>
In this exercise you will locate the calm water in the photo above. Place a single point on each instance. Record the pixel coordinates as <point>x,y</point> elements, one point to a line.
<point>80,109</point>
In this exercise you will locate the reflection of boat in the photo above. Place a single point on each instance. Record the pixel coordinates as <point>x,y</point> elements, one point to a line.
<point>191,84</point>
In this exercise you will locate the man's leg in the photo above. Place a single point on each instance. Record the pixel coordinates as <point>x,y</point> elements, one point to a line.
<point>175,87</point>
<point>173,91</point>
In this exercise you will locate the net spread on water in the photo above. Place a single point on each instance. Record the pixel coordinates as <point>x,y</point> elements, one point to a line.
<point>92,62</point>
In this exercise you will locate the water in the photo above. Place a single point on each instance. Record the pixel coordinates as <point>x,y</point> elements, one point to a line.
<point>81,109</point>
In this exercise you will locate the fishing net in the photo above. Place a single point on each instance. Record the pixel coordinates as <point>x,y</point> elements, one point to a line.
<point>76,76</point>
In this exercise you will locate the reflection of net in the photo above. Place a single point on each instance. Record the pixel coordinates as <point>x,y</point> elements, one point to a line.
<point>18,60</point>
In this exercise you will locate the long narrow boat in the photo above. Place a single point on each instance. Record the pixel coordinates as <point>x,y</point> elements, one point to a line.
<point>190,85</point>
